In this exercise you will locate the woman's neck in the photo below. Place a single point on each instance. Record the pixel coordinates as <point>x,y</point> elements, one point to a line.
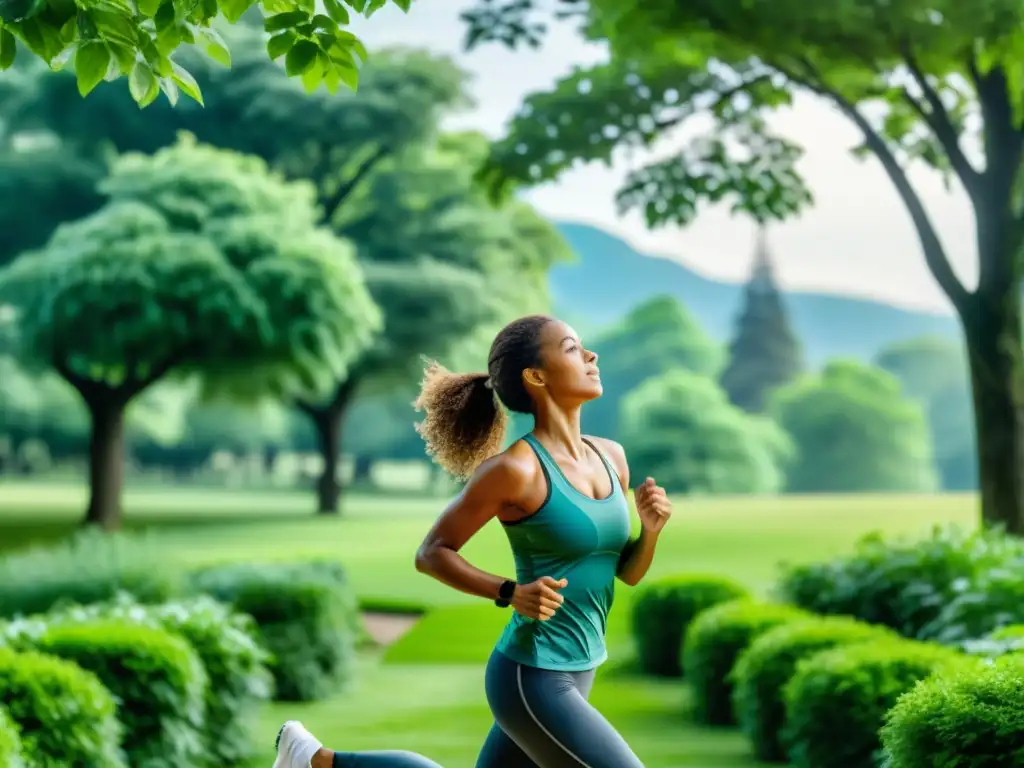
<point>560,429</point>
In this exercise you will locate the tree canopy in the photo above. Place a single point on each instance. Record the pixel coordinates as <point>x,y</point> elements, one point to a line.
<point>201,261</point>
<point>109,39</point>
<point>931,82</point>
<point>680,428</point>
<point>656,337</point>
<point>855,431</point>
<point>934,372</point>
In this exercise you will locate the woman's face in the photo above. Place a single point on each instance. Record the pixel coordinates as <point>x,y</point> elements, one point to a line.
<point>569,371</point>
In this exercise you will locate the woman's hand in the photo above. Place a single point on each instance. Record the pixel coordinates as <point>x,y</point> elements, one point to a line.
<point>539,599</point>
<point>652,506</point>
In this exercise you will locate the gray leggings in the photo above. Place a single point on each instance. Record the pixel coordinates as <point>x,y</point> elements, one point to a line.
<point>383,759</point>
<point>543,720</point>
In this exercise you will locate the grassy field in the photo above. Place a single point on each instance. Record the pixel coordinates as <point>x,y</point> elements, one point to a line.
<point>425,692</point>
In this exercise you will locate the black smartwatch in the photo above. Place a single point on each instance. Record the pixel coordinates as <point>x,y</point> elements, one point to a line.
<point>505,592</point>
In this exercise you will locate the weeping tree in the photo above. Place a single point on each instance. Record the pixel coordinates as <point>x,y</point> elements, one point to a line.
<point>935,83</point>
<point>201,262</point>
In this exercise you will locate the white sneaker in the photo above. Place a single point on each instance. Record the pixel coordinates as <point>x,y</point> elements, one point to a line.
<point>295,746</point>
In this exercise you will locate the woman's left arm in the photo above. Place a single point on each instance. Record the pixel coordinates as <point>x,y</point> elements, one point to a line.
<point>653,508</point>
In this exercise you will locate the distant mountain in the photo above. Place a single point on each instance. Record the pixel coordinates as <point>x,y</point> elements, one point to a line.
<point>610,278</point>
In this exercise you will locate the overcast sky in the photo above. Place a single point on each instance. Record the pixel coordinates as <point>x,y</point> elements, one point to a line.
<point>856,240</point>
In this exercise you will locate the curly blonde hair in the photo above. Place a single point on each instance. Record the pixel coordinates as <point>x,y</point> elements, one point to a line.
<point>464,423</point>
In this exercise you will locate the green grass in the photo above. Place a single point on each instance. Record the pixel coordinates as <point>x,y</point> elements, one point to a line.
<point>426,693</point>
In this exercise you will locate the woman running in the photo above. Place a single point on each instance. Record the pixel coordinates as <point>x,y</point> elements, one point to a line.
<point>560,498</point>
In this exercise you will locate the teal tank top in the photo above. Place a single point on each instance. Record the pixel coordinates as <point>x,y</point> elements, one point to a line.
<point>580,539</point>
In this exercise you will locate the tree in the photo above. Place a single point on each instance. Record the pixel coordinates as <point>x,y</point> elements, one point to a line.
<point>854,432</point>
<point>765,353</point>
<point>202,261</point>
<point>926,82</point>
<point>115,38</point>
<point>933,371</point>
<point>441,263</point>
<point>680,428</point>
<point>339,141</point>
<point>657,336</point>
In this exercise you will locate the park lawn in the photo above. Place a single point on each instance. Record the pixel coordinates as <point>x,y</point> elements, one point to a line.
<point>425,693</point>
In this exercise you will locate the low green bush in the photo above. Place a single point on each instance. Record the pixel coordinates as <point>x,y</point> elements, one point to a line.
<point>663,609</point>
<point>157,678</point>
<point>226,643</point>
<point>975,607</point>
<point>306,616</point>
<point>715,640</point>
<point>65,716</point>
<point>901,583</point>
<point>763,670</point>
<point>10,743</point>
<point>968,718</point>
<point>89,567</point>
<point>837,700</point>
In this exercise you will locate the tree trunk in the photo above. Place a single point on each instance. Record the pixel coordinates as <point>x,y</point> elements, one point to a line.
<point>106,464</point>
<point>993,330</point>
<point>362,469</point>
<point>327,419</point>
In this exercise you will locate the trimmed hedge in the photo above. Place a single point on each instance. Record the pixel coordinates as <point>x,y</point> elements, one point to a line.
<point>969,718</point>
<point>65,716</point>
<point>306,617</point>
<point>837,700</point>
<point>157,678</point>
<point>89,567</point>
<point>715,640</point>
<point>226,644</point>
<point>663,609</point>
<point>902,583</point>
<point>10,743</point>
<point>763,670</point>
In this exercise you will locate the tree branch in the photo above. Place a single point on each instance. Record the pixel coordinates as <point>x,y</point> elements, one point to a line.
<point>934,253</point>
<point>938,119</point>
<point>334,200</point>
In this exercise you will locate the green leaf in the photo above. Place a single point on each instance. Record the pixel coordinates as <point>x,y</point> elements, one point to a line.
<point>281,43</point>
<point>143,84</point>
<point>213,44</point>
<point>301,57</point>
<point>91,63</point>
<point>374,6</point>
<point>337,11</point>
<point>285,21</point>
<point>359,5</point>
<point>8,48</point>
<point>170,89</point>
<point>63,58</point>
<point>184,80</point>
<point>405,5</point>
<point>320,21</point>
<point>234,9</point>
<point>346,39</point>
<point>313,75</point>
<point>148,8</point>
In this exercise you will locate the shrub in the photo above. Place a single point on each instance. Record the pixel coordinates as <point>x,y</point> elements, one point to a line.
<point>157,678</point>
<point>10,742</point>
<point>664,609</point>
<point>762,671</point>
<point>715,640</point>
<point>975,607</point>
<point>902,584</point>
<point>226,644</point>
<point>87,568</point>
<point>66,717</point>
<point>967,718</point>
<point>305,616</point>
<point>836,700</point>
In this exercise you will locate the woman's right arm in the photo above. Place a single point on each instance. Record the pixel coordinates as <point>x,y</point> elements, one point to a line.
<point>498,482</point>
